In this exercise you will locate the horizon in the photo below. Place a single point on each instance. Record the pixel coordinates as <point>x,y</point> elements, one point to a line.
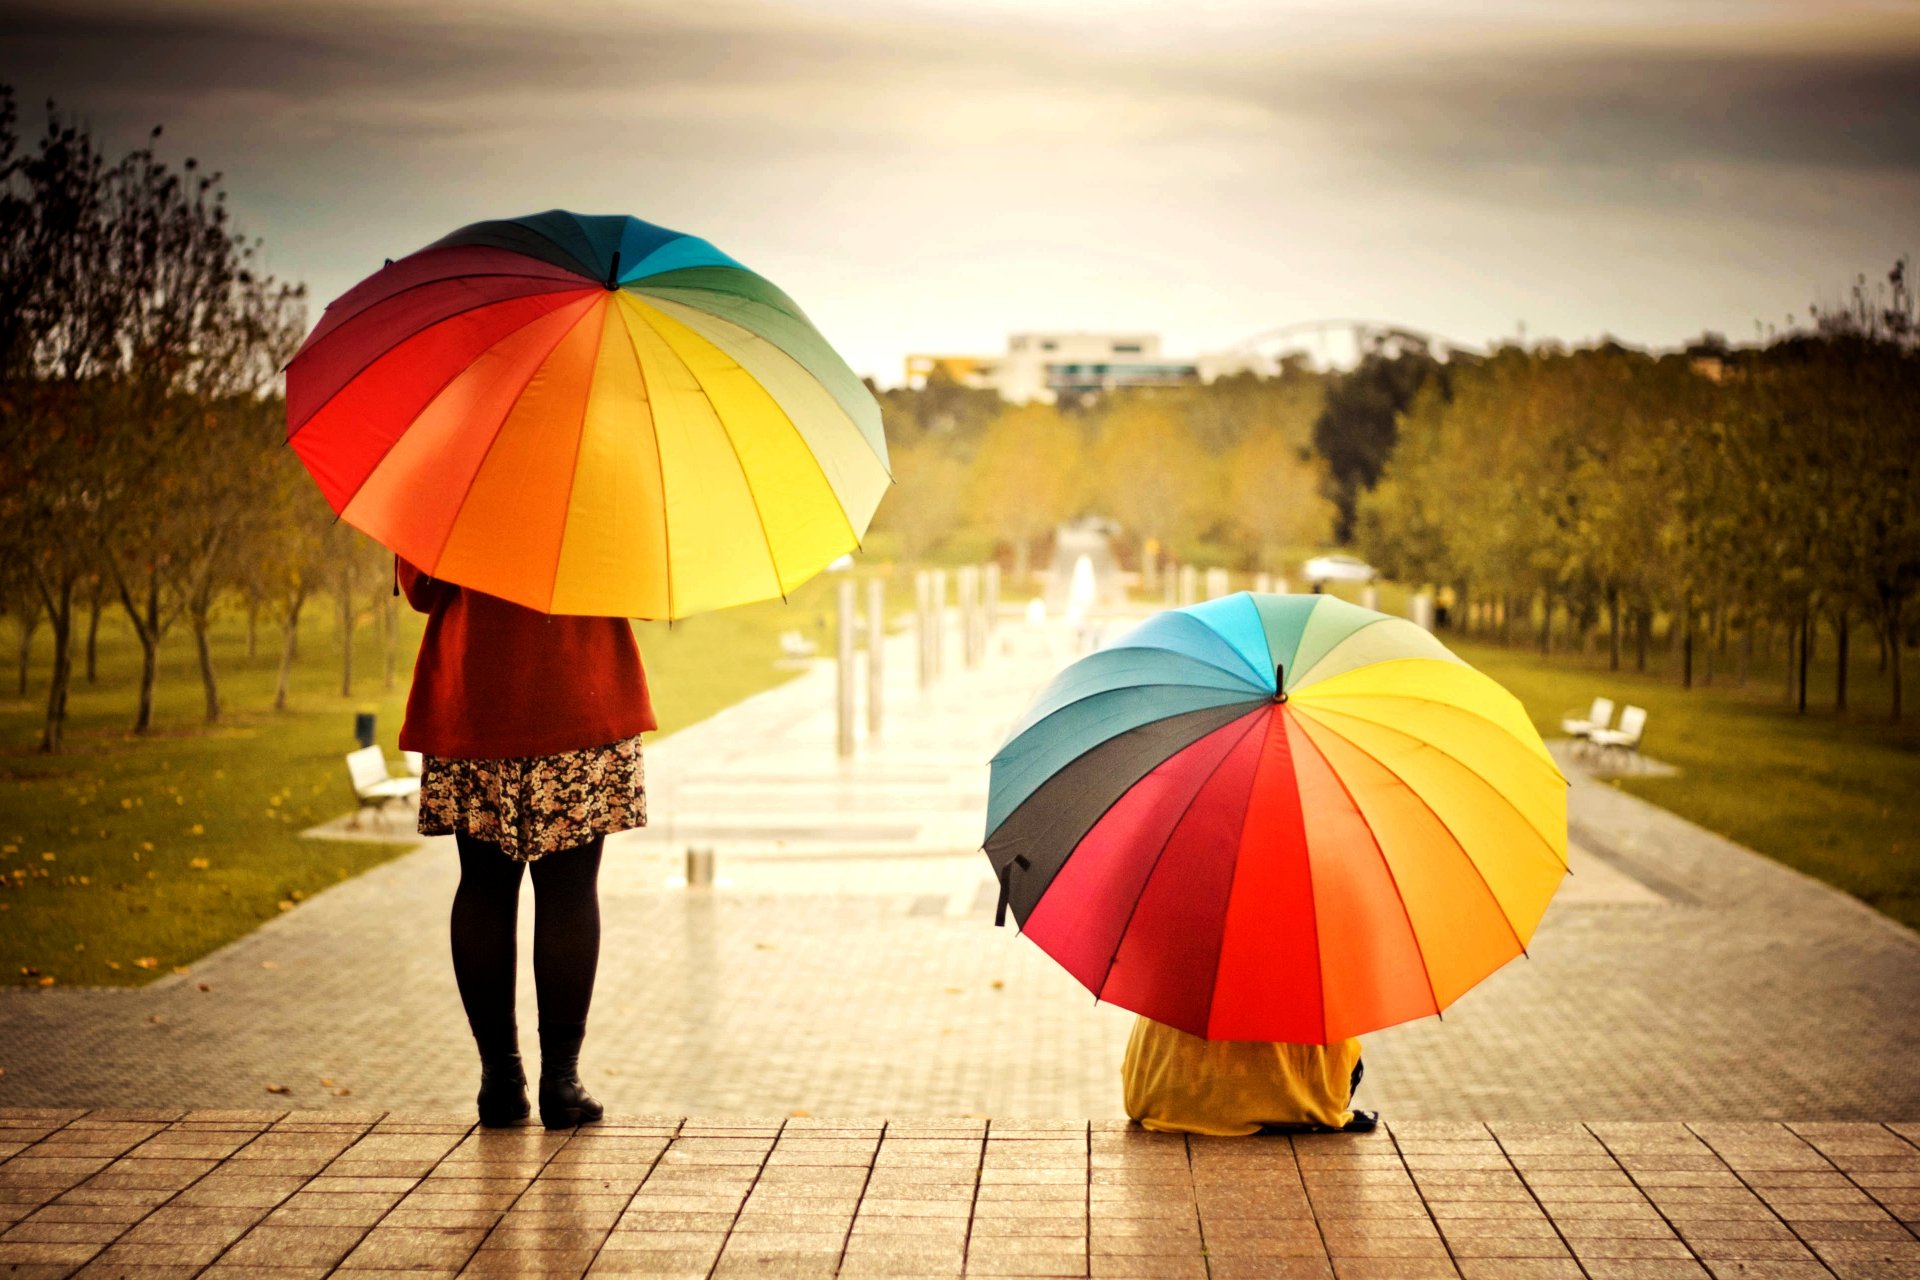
<point>931,177</point>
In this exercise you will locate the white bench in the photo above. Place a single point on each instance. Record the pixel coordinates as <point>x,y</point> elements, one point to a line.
<point>1598,717</point>
<point>1626,739</point>
<point>795,645</point>
<point>373,787</point>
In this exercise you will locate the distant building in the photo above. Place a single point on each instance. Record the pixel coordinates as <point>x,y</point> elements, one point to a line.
<point>1048,366</point>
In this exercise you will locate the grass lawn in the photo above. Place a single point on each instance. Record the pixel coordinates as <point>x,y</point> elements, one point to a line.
<point>125,858</point>
<point>1837,798</point>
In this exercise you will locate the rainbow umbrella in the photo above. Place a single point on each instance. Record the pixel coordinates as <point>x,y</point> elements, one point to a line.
<point>1280,818</point>
<point>588,415</point>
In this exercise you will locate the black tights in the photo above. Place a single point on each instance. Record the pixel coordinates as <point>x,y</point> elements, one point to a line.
<point>566,940</point>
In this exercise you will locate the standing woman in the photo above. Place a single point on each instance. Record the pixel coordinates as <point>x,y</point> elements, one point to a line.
<point>531,726</point>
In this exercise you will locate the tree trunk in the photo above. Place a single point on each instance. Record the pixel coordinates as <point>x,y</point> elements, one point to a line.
<point>1642,629</point>
<point>1613,629</point>
<point>253,626</point>
<point>1546,621</point>
<point>290,632</point>
<point>149,632</point>
<point>1746,650</point>
<point>1715,642</point>
<point>1686,645</point>
<point>1841,628</point>
<point>1893,670</point>
<point>207,680</point>
<point>59,602</point>
<point>94,600</point>
<point>346,633</point>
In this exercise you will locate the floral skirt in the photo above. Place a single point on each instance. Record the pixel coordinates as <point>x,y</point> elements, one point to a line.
<point>537,805</point>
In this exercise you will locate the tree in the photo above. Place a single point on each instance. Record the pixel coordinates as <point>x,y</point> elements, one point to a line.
<point>1150,473</point>
<point>1357,426</point>
<point>1275,498</point>
<point>1027,477</point>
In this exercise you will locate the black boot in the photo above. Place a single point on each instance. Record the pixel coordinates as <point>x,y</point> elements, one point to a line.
<point>503,1090</point>
<point>564,1101</point>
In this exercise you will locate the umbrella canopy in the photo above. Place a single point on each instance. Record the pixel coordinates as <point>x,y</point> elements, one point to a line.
<point>1281,818</point>
<point>588,415</point>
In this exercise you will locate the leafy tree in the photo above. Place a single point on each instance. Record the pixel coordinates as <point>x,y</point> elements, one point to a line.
<point>1027,477</point>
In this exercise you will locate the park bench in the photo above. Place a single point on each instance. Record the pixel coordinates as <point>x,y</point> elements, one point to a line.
<point>373,786</point>
<point>795,645</point>
<point>1598,717</point>
<point>1626,739</point>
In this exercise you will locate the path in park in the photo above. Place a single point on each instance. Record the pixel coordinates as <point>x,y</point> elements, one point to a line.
<point>846,963</point>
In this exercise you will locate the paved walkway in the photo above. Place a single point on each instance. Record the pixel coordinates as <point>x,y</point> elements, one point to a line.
<point>845,963</point>
<point>269,1194</point>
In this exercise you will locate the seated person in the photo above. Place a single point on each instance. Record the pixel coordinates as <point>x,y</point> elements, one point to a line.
<point>1178,1083</point>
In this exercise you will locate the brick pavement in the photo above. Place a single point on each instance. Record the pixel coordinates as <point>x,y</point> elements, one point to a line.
<point>170,1193</point>
<point>1676,976</point>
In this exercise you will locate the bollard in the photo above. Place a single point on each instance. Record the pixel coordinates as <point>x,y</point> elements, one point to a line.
<point>699,868</point>
<point>967,587</point>
<point>1263,583</point>
<point>993,596</point>
<point>876,650</point>
<point>1422,611</point>
<point>1189,585</point>
<point>1169,576</point>
<point>938,618</point>
<point>1280,586</point>
<point>845,669</point>
<point>922,593</point>
<point>1217,583</point>
<point>1370,597</point>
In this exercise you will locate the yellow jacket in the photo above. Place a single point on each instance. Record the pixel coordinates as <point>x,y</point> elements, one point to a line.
<point>1179,1083</point>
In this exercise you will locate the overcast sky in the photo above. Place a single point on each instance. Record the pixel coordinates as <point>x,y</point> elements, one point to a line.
<point>928,175</point>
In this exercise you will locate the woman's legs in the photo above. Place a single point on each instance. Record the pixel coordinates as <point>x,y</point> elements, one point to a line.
<point>566,954</point>
<point>566,935</point>
<point>486,909</point>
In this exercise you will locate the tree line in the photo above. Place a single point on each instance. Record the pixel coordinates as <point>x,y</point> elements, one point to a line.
<point>141,463</point>
<point>1735,498</point>
<point>1225,473</point>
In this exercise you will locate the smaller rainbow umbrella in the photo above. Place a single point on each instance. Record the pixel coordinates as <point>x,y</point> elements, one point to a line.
<point>588,415</point>
<point>1279,818</point>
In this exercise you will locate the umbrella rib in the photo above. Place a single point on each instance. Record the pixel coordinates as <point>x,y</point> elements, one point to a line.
<point>1120,940</point>
<point>454,377</point>
<point>746,481</point>
<point>1444,826</point>
<point>805,448</point>
<point>1316,714</point>
<point>1425,970</point>
<point>659,458</point>
<point>1315,710</point>
<point>1324,699</point>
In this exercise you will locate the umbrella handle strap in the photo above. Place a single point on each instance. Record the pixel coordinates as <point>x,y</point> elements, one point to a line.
<point>1006,893</point>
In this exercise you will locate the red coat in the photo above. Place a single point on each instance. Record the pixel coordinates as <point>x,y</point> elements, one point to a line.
<point>495,680</point>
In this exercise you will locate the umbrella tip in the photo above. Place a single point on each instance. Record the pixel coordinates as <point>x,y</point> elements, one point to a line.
<point>1279,683</point>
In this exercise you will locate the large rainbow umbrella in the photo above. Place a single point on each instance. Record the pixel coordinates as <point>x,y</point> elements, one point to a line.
<point>588,415</point>
<point>1280,818</point>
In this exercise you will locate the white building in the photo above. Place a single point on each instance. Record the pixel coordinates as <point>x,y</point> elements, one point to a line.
<point>1046,366</point>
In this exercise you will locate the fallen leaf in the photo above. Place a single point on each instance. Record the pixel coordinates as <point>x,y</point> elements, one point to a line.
<point>284,905</point>
<point>327,1081</point>
<point>206,986</point>
<point>113,964</point>
<point>278,1088</point>
<point>269,964</point>
<point>47,857</point>
<point>199,864</point>
<point>999,985</point>
<point>763,946</point>
<point>146,846</point>
<point>180,968</point>
<point>954,991</point>
<point>156,1020</point>
<point>197,829</point>
<point>47,981</point>
<point>800,1115</point>
<point>148,962</point>
<point>343,1092</point>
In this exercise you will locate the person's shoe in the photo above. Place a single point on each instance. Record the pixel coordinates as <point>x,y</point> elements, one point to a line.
<point>564,1101</point>
<point>1362,1122</point>
<point>503,1091</point>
